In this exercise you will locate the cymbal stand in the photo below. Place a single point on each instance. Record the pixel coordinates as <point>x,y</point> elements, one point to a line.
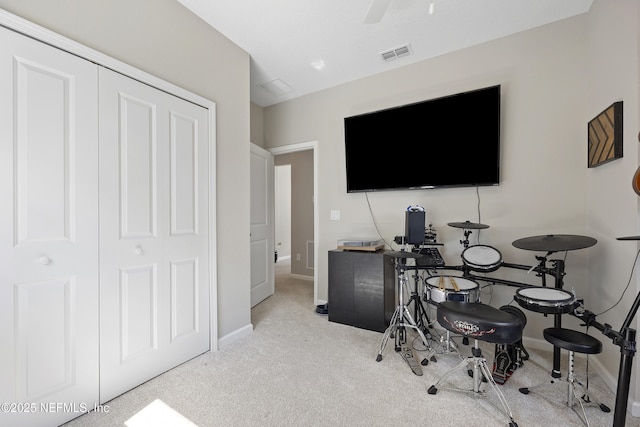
<point>557,271</point>
<point>401,318</point>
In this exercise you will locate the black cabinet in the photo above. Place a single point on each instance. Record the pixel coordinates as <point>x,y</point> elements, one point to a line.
<point>362,289</point>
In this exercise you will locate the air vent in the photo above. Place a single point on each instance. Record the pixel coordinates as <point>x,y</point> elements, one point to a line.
<point>276,87</point>
<point>398,52</point>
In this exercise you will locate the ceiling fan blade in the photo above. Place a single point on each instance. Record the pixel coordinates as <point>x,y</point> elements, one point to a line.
<point>376,11</point>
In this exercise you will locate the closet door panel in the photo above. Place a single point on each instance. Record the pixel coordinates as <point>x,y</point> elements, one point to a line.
<point>43,149</point>
<point>184,298</point>
<point>138,168</point>
<point>184,175</point>
<point>154,285</point>
<point>131,266</point>
<point>48,231</point>
<point>187,245</point>
<point>139,311</point>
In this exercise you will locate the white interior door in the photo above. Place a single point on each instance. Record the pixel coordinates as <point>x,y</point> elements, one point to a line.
<point>262,220</point>
<point>154,270</point>
<point>48,233</point>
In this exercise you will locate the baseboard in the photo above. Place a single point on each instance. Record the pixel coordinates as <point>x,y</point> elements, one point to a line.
<point>301,277</point>
<point>245,331</point>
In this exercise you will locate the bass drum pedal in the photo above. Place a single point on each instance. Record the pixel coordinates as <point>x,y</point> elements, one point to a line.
<point>509,357</point>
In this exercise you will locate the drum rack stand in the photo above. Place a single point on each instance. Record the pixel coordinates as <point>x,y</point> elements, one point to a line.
<point>557,271</point>
<point>625,338</point>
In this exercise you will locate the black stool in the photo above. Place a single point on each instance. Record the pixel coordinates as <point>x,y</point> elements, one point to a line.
<point>574,342</point>
<point>485,323</point>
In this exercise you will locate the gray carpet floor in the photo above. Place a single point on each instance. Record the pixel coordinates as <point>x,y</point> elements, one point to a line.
<point>297,368</point>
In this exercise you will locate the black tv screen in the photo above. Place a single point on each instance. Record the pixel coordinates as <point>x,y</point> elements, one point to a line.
<point>453,141</point>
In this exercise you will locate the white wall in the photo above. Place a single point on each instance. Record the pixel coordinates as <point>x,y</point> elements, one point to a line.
<point>257,129</point>
<point>612,205</point>
<point>163,38</point>
<point>554,80</point>
<point>283,210</point>
<point>543,152</point>
<point>302,202</point>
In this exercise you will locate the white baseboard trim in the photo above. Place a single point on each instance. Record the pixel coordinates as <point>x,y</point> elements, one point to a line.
<point>245,331</point>
<point>635,408</point>
<point>302,277</point>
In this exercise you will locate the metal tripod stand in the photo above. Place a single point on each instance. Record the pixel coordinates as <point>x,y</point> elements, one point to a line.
<point>402,318</point>
<point>477,367</point>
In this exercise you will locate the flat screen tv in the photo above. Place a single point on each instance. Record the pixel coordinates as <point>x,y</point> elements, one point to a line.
<point>453,141</point>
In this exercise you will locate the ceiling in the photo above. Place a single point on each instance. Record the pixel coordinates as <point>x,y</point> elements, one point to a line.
<point>299,47</point>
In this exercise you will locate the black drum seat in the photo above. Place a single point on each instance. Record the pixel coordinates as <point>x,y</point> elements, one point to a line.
<point>480,321</point>
<point>571,340</point>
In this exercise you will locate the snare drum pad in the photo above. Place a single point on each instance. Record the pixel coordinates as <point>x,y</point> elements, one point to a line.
<point>482,258</point>
<point>443,288</point>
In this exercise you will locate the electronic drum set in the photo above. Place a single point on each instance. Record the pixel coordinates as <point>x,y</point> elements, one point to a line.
<point>450,293</point>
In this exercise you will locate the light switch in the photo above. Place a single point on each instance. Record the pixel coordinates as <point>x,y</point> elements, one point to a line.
<point>335,215</point>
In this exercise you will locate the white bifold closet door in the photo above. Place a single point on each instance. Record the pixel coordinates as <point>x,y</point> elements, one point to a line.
<point>104,233</point>
<point>154,265</point>
<point>48,233</point>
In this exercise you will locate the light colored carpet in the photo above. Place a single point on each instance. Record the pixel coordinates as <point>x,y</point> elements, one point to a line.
<point>297,368</point>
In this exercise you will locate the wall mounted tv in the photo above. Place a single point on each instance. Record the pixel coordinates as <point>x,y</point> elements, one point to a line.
<point>453,141</point>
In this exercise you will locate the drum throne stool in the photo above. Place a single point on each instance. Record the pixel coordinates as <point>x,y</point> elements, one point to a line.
<point>574,342</point>
<point>480,322</point>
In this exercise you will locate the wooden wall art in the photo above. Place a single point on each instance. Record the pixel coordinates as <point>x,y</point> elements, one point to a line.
<point>605,136</point>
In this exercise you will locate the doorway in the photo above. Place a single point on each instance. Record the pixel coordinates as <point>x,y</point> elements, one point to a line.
<point>283,214</point>
<point>303,246</point>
